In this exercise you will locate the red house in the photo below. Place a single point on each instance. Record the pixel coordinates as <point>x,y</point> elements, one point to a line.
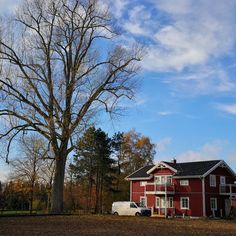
<point>204,188</point>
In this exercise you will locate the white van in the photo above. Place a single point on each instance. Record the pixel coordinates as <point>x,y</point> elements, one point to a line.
<point>129,209</point>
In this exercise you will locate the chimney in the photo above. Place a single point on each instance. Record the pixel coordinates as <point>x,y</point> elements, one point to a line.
<point>174,161</point>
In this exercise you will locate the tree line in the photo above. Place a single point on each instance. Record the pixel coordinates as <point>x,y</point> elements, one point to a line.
<point>94,179</point>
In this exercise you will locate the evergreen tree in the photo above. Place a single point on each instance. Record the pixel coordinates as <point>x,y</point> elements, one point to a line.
<point>93,164</point>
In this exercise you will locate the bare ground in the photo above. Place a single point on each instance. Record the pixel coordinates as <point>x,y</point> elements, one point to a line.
<point>113,225</point>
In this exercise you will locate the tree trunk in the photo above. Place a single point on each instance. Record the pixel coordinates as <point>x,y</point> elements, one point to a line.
<point>58,185</point>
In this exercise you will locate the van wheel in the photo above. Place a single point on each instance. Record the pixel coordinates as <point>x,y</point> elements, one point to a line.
<point>137,214</point>
<point>115,214</point>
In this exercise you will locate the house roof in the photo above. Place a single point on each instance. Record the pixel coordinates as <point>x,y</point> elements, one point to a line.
<point>198,168</point>
<point>193,169</point>
<point>141,173</point>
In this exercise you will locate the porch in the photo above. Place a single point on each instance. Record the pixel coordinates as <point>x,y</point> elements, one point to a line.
<point>228,189</point>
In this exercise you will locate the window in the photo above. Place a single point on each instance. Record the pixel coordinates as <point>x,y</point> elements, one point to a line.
<point>143,183</point>
<point>133,205</point>
<point>161,180</point>
<point>143,201</point>
<point>157,202</point>
<point>168,180</point>
<point>212,180</point>
<point>184,203</point>
<point>222,180</point>
<point>170,202</point>
<point>184,182</point>
<point>213,202</point>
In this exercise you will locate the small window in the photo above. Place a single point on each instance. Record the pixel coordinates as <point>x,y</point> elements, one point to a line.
<point>184,182</point>
<point>212,180</point>
<point>222,180</point>
<point>143,183</point>
<point>143,201</point>
<point>157,202</point>
<point>184,201</point>
<point>213,202</point>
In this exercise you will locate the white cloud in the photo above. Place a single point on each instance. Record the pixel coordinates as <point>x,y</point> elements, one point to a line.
<point>227,108</point>
<point>163,143</point>
<point>209,151</point>
<point>165,113</point>
<point>139,21</point>
<point>202,80</point>
<point>193,36</point>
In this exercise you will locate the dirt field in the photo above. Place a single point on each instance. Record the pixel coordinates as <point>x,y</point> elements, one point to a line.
<point>112,225</point>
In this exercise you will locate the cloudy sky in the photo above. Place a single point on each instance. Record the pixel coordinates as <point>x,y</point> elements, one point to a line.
<point>187,101</point>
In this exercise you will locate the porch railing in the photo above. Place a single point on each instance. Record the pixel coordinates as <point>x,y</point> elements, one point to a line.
<point>227,189</point>
<point>161,189</point>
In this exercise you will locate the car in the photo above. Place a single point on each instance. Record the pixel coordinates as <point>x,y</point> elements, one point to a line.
<point>129,209</point>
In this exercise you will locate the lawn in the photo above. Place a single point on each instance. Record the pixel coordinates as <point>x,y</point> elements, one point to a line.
<point>113,225</point>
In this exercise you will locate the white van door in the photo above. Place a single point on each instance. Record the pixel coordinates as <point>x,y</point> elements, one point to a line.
<point>133,209</point>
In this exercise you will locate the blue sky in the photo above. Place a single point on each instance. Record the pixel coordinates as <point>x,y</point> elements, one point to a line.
<point>186,102</point>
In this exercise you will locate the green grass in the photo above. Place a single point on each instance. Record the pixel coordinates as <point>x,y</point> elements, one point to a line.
<point>17,212</point>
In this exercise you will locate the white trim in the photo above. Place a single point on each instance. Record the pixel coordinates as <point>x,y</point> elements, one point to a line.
<point>157,166</point>
<point>181,206</point>
<point>203,198</point>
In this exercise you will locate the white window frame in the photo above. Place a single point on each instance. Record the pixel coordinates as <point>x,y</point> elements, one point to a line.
<point>181,203</point>
<point>143,183</point>
<point>159,199</point>
<point>212,180</point>
<point>222,178</point>
<point>162,179</point>
<point>184,182</point>
<point>145,199</point>
<point>213,199</point>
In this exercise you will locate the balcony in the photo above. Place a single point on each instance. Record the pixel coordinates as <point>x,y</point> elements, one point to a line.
<point>228,189</point>
<point>160,189</point>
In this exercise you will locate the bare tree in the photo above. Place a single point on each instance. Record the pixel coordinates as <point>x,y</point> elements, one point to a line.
<point>60,63</point>
<point>30,163</point>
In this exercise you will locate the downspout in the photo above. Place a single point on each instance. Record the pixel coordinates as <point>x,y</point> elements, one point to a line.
<point>203,198</point>
<point>130,194</point>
